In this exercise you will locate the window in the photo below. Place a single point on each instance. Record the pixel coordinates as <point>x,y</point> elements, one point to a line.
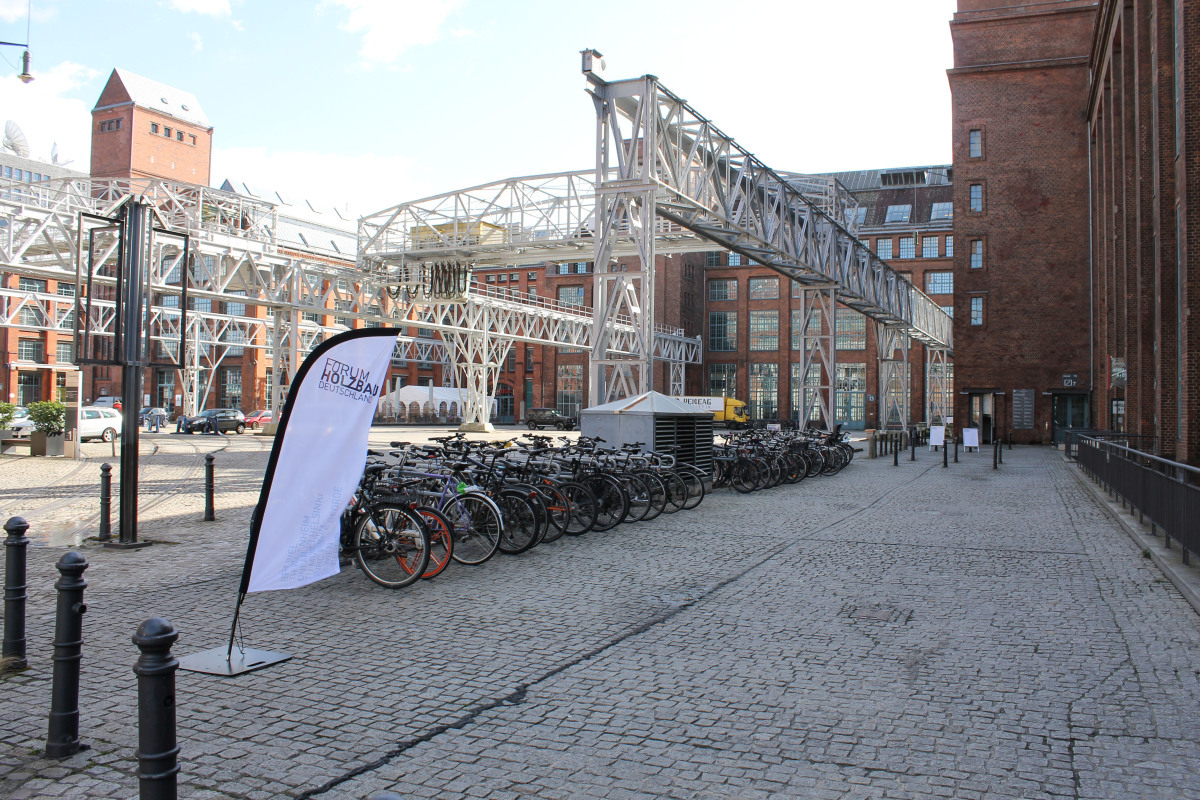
<point>976,197</point>
<point>342,305</point>
<point>110,125</point>
<point>230,392</point>
<point>797,289</point>
<point>941,211</point>
<point>976,253</point>
<point>514,277</point>
<point>201,304</point>
<point>797,329</point>
<point>563,268</point>
<point>179,135</point>
<point>581,267</point>
<point>31,285</point>
<point>501,278</point>
<point>949,311</point>
<point>235,308</point>
<point>570,295</point>
<point>908,247</point>
<point>154,127</point>
<point>722,289</point>
<point>851,330</point>
<point>977,310</point>
<point>857,216</point>
<point>975,143</point>
<point>764,330</point>
<point>532,291</point>
<point>66,289</point>
<point>311,316</point>
<point>531,276</point>
<point>899,213</point>
<point>193,137</point>
<point>529,358</point>
<point>722,380</point>
<point>764,391</point>
<point>64,352</point>
<point>722,331</point>
<point>851,394</point>
<point>764,288</point>
<point>929,247</point>
<point>735,259</point>
<point>167,132</point>
<point>169,300</point>
<point>949,247</point>
<point>883,248</point>
<point>31,350</point>
<point>570,389</point>
<point>491,278</point>
<point>712,259</point>
<point>233,339</point>
<point>939,283</point>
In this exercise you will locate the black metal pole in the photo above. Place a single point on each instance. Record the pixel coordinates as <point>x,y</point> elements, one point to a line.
<point>945,453</point>
<point>956,448</point>
<point>994,448</point>
<point>895,456</point>
<point>16,548</point>
<point>135,243</point>
<point>1000,448</point>
<point>210,513</point>
<point>158,750</point>
<point>105,503</point>
<point>912,439</point>
<point>63,739</point>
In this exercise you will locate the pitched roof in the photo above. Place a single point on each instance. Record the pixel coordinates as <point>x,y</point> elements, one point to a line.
<point>159,97</point>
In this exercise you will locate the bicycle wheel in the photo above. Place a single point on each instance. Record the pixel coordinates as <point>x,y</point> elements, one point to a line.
<point>744,476</point>
<point>694,479</point>
<point>583,507</point>
<point>477,526</point>
<point>612,503</point>
<point>658,494</point>
<point>441,540</point>
<point>520,521</point>
<point>676,492</point>
<point>391,546</point>
<point>558,511</point>
<point>640,502</point>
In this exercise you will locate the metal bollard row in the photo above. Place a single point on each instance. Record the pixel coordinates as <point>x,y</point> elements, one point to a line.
<point>62,739</point>
<point>16,548</point>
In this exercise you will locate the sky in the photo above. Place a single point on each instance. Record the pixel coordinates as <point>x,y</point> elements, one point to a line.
<point>366,104</point>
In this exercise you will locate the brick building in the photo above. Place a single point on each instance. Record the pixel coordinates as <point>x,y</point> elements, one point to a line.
<point>1021,345</point>
<point>1143,133</point>
<point>1075,151</point>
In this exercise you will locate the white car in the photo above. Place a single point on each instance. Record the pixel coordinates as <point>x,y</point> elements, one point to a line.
<point>95,422</point>
<point>98,422</point>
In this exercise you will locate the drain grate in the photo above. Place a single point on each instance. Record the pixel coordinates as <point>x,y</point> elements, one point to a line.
<point>877,613</point>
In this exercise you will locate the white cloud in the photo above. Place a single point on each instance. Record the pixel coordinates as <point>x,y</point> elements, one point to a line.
<point>48,115</point>
<point>19,10</point>
<point>197,42</point>
<point>211,8</point>
<point>389,27</point>
<point>361,183</point>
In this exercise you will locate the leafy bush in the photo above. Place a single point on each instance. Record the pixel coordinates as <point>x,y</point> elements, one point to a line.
<point>48,417</point>
<point>6,414</point>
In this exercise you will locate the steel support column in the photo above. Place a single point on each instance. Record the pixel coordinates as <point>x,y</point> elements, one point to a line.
<point>818,319</point>
<point>893,343</point>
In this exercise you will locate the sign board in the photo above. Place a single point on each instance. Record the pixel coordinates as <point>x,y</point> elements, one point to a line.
<point>1070,379</point>
<point>773,426</point>
<point>937,435</point>
<point>1022,409</point>
<point>971,437</point>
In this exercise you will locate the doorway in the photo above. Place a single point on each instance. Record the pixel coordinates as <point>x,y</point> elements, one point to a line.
<point>504,404</point>
<point>1068,411</point>
<point>980,410</point>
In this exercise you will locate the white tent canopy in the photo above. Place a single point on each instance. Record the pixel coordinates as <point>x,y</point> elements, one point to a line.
<point>416,403</point>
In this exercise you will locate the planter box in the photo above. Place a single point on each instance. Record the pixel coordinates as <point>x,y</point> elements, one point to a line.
<point>42,445</point>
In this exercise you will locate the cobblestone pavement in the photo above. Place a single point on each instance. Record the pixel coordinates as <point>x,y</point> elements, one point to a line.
<point>890,632</point>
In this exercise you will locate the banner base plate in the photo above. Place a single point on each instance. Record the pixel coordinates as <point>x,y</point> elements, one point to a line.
<point>476,427</point>
<point>219,661</point>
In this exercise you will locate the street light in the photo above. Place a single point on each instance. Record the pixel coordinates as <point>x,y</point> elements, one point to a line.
<point>25,76</point>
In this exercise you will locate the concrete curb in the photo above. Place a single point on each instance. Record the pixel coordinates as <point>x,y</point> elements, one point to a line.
<point>1186,578</point>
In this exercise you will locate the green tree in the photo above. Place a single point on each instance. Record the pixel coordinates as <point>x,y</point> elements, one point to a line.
<point>6,414</point>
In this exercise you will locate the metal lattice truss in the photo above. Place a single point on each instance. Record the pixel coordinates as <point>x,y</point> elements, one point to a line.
<point>654,145</point>
<point>939,385</point>
<point>894,396</point>
<point>818,310</point>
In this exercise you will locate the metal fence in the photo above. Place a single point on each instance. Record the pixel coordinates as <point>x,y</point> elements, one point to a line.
<point>1069,439</point>
<point>1164,492</point>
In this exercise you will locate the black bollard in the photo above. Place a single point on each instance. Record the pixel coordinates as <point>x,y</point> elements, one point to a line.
<point>895,456</point>
<point>16,547</point>
<point>210,513</point>
<point>995,448</point>
<point>945,454</point>
<point>63,738</point>
<point>158,751</point>
<point>956,448</point>
<point>105,534</point>
<point>912,438</point>
<point>1000,449</point>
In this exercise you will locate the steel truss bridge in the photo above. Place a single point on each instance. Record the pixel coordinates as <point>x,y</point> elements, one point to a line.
<point>237,256</point>
<point>667,180</point>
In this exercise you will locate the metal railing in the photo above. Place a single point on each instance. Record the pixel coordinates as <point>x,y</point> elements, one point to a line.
<point>1164,492</point>
<point>1069,438</point>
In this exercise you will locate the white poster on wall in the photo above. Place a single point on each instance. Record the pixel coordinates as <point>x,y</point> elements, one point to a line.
<point>318,457</point>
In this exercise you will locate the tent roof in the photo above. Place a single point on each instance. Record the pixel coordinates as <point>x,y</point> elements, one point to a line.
<point>648,403</point>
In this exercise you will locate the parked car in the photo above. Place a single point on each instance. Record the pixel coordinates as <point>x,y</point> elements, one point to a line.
<point>146,411</point>
<point>258,419</point>
<point>100,422</point>
<point>108,402</point>
<point>550,418</point>
<point>228,419</point>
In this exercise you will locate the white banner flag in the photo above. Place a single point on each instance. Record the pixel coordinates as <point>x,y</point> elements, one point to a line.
<point>317,460</point>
